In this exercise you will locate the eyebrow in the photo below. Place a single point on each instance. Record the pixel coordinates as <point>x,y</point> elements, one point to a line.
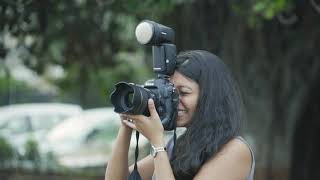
<point>185,87</point>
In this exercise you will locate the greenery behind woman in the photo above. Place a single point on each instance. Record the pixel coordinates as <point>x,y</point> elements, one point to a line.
<point>210,107</point>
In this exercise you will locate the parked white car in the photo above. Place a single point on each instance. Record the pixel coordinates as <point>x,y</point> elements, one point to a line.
<point>86,140</point>
<point>21,122</point>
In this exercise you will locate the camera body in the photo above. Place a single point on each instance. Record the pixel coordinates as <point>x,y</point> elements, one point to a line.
<point>129,98</point>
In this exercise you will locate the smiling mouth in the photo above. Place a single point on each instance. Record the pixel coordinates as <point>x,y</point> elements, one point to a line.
<point>181,112</point>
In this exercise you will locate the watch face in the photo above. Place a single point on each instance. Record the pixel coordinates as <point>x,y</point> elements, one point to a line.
<point>155,150</point>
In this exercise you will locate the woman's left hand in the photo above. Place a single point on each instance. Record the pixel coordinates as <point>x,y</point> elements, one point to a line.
<point>150,127</point>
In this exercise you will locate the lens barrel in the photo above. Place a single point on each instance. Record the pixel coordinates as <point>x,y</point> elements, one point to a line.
<point>128,98</point>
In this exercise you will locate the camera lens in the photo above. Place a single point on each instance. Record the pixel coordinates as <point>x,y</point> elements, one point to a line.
<point>130,99</point>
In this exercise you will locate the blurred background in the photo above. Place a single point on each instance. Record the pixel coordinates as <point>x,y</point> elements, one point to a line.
<point>59,61</point>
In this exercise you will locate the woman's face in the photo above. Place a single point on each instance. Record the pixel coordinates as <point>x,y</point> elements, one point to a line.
<point>188,91</point>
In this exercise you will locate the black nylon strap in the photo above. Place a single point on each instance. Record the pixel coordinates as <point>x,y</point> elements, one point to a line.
<point>174,141</point>
<point>136,154</point>
<point>135,175</point>
<point>175,113</point>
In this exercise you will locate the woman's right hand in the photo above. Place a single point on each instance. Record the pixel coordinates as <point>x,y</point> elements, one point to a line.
<point>124,125</point>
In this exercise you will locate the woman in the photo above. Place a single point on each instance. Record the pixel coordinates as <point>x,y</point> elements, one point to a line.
<point>210,109</point>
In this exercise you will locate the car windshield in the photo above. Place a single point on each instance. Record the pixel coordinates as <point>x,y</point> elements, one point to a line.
<point>16,124</point>
<point>45,121</point>
<point>80,127</point>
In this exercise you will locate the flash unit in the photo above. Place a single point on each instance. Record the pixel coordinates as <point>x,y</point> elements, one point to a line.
<point>152,33</point>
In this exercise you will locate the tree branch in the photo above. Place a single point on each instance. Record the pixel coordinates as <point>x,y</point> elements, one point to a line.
<point>315,5</point>
<point>293,18</point>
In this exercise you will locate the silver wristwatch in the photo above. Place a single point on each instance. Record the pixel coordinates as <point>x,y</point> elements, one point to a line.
<point>155,150</point>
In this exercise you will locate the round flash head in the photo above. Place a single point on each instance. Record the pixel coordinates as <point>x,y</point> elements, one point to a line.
<point>152,33</point>
<point>144,32</point>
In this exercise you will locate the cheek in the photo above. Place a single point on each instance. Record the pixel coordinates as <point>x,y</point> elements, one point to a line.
<point>189,102</point>
<point>193,105</point>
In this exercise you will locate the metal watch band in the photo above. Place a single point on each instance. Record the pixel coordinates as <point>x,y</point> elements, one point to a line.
<point>155,150</point>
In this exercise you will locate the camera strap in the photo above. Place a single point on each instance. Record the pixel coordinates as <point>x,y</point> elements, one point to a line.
<point>174,141</point>
<point>135,175</point>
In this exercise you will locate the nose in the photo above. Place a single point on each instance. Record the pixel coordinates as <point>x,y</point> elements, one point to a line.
<point>180,105</point>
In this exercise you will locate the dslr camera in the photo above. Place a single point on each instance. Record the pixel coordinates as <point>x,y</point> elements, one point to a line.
<point>130,98</point>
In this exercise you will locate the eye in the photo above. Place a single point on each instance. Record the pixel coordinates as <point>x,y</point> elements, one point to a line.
<point>183,93</point>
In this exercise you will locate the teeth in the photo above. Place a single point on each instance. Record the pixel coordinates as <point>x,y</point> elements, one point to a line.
<point>180,113</point>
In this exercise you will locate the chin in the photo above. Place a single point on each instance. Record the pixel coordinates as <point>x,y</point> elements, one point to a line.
<point>181,122</point>
<point>179,125</point>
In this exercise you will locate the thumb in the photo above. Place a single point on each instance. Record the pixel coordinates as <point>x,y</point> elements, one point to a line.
<point>152,108</point>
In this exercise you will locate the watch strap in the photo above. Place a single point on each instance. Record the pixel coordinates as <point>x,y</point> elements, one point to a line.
<point>155,150</point>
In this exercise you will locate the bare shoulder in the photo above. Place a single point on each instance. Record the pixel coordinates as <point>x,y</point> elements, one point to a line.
<point>233,162</point>
<point>235,148</point>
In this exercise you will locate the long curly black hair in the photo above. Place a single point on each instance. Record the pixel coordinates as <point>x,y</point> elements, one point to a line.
<point>217,118</point>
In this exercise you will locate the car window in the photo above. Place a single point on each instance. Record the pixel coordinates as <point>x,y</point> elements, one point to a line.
<point>18,124</point>
<point>45,121</point>
<point>105,133</point>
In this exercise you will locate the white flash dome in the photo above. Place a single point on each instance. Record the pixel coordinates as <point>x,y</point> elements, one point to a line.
<point>144,32</point>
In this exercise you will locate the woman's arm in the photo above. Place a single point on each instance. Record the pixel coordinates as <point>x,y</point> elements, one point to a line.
<point>163,170</point>
<point>117,167</point>
<point>152,129</point>
<point>145,168</point>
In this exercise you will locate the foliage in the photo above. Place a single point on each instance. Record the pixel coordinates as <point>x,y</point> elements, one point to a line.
<point>268,9</point>
<point>31,151</point>
<point>6,150</point>
<point>75,31</point>
<point>92,39</point>
<point>256,12</point>
<point>85,37</point>
<point>15,91</point>
<point>91,32</point>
